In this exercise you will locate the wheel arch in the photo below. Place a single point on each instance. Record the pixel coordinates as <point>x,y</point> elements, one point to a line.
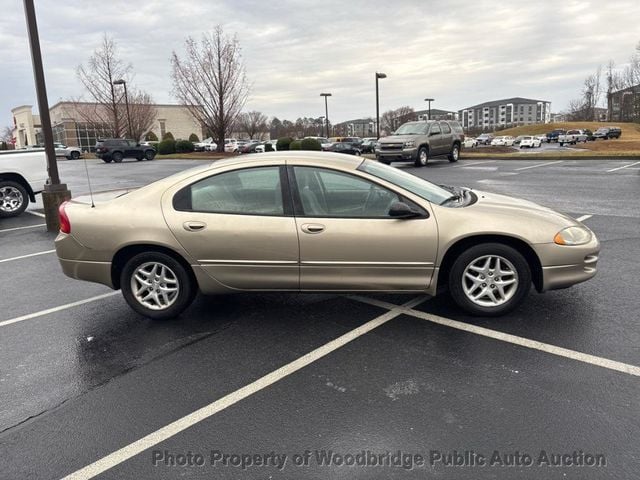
<point>16,177</point>
<point>123,255</point>
<point>462,244</point>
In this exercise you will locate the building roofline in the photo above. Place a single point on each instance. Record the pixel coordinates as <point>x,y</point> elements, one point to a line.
<point>495,103</point>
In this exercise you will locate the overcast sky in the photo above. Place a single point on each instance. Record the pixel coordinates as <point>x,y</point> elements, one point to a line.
<point>459,52</point>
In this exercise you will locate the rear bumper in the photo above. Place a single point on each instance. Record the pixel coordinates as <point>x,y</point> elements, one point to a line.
<point>72,256</point>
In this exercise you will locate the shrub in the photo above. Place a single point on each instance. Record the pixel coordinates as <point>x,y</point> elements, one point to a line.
<point>283,143</point>
<point>151,137</point>
<point>3,146</point>
<point>193,138</point>
<point>184,146</point>
<point>167,147</point>
<point>310,144</point>
<point>268,147</point>
<point>295,145</point>
<point>168,136</point>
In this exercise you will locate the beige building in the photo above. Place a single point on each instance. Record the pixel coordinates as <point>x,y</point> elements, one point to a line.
<point>70,129</point>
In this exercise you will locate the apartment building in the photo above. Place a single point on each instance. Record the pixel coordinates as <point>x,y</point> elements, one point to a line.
<point>509,111</point>
<point>624,105</point>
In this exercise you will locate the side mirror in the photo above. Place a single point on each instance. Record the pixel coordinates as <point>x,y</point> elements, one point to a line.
<point>402,210</point>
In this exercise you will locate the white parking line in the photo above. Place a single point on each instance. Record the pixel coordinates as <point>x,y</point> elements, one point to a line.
<point>583,218</point>
<point>56,309</point>
<point>37,214</point>
<point>232,398</point>
<point>624,166</point>
<point>539,165</point>
<point>514,339</point>
<point>26,256</point>
<point>472,164</point>
<point>23,228</point>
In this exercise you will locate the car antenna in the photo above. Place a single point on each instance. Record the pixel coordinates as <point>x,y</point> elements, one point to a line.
<point>86,168</point>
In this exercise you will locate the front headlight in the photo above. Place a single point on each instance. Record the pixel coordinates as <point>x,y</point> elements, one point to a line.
<point>573,236</point>
<point>409,144</point>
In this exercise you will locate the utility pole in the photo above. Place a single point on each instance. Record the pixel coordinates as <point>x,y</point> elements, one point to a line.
<point>379,75</point>
<point>326,110</point>
<point>54,193</point>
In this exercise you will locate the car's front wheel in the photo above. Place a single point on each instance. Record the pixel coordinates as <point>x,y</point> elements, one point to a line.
<point>149,154</point>
<point>75,155</point>
<point>422,158</point>
<point>117,157</point>
<point>14,199</point>
<point>489,279</point>
<point>156,285</point>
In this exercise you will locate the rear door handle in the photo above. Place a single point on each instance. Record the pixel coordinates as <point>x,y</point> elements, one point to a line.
<point>194,226</point>
<point>312,228</point>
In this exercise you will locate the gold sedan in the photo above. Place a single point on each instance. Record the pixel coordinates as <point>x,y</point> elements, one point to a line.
<point>319,222</point>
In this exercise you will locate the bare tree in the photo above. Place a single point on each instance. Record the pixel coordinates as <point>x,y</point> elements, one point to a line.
<point>392,119</point>
<point>103,68</point>
<point>210,80</point>
<point>254,124</point>
<point>106,113</point>
<point>6,135</point>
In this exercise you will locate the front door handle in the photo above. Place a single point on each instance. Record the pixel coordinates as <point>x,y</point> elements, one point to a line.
<point>312,228</point>
<point>194,226</point>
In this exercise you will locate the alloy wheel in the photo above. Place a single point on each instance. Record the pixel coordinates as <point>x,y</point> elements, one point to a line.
<point>490,281</point>
<point>11,199</point>
<point>155,286</point>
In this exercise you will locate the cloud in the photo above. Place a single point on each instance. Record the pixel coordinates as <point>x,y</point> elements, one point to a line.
<point>459,52</point>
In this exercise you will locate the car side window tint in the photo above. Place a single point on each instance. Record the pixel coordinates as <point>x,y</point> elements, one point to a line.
<point>253,191</point>
<point>445,128</point>
<point>435,129</point>
<point>327,193</point>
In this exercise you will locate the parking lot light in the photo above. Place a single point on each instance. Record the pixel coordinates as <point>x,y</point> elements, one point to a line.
<point>126,101</point>
<point>429,100</point>
<point>326,111</point>
<point>379,75</point>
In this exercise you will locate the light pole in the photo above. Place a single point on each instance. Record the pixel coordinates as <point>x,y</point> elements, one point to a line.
<point>54,193</point>
<point>126,101</point>
<point>429,108</point>
<point>326,110</point>
<point>379,75</point>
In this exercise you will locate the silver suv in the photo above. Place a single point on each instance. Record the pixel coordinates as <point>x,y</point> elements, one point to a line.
<point>421,140</point>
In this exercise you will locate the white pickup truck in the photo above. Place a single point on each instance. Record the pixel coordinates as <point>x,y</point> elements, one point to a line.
<point>572,137</point>
<point>23,174</point>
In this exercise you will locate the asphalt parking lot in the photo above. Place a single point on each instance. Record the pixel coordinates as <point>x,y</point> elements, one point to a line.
<point>328,386</point>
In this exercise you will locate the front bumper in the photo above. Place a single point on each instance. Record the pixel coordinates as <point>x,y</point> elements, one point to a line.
<point>404,154</point>
<point>564,266</point>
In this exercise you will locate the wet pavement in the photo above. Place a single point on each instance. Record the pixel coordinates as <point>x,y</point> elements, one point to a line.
<point>80,381</point>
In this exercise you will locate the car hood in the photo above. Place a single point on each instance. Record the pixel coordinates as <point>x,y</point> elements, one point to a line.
<point>398,138</point>
<point>520,210</point>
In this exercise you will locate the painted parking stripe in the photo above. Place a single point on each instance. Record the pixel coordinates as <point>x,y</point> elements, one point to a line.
<point>624,166</point>
<point>539,165</point>
<point>583,218</point>
<point>48,311</point>
<point>514,339</point>
<point>473,164</point>
<point>37,214</point>
<point>22,228</point>
<point>232,398</point>
<point>26,256</point>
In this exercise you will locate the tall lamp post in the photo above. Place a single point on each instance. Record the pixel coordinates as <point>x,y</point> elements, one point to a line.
<point>379,75</point>
<point>326,111</point>
<point>54,193</point>
<point>126,101</point>
<point>429,108</point>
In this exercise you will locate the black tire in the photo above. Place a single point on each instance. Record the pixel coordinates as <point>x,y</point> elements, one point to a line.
<point>149,154</point>
<point>455,153</point>
<point>185,284</point>
<point>117,157</point>
<point>75,155</point>
<point>14,199</point>
<point>383,160</point>
<point>422,158</point>
<point>139,158</point>
<point>475,253</point>
<point>106,160</point>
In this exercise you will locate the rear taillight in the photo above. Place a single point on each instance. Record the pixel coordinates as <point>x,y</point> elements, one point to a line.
<point>65,224</point>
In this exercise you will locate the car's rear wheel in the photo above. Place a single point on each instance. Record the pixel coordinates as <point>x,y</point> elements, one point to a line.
<point>14,199</point>
<point>106,160</point>
<point>149,155</point>
<point>156,285</point>
<point>422,158</point>
<point>75,155</point>
<point>489,279</point>
<point>117,157</point>
<point>455,153</point>
<point>139,157</point>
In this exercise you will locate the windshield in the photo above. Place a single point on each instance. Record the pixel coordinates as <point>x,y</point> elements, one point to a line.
<point>413,128</point>
<point>416,185</point>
